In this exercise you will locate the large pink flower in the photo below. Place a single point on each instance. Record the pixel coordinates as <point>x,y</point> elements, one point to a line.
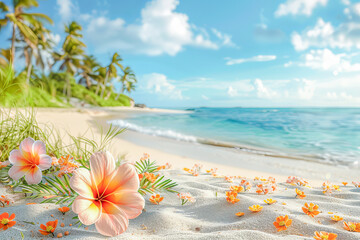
<point>108,196</point>
<point>29,160</point>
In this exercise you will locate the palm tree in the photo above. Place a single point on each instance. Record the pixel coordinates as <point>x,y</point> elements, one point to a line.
<point>100,78</point>
<point>89,66</point>
<point>31,50</point>
<point>129,87</point>
<point>127,78</point>
<point>72,54</point>
<point>73,31</point>
<point>111,70</point>
<point>45,44</point>
<point>21,20</point>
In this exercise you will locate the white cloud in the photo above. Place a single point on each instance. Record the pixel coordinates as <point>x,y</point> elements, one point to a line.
<point>352,10</point>
<point>346,96</point>
<point>329,91</point>
<point>342,96</point>
<point>232,92</point>
<point>323,34</point>
<point>65,9</point>
<point>226,38</point>
<point>298,7</point>
<point>259,58</point>
<point>288,64</point>
<point>159,84</point>
<point>262,91</point>
<point>347,12</point>
<point>325,59</point>
<point>54,38</point>
<point>205,97</point>
<point>161,30</point>
<point>332,95</point>
<point>85,17</point>
<point>307,91</point>
<point>356,8</point>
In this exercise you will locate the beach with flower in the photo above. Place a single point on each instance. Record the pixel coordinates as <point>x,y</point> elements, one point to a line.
<point>210,199</point>
<point>174,119</point>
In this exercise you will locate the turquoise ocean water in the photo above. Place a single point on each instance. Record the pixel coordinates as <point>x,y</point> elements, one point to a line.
<point>327,134</point>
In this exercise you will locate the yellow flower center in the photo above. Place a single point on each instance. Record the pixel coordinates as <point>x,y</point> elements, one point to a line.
<point>282,223</point>
<point>310,209</point>
<point>5,221</point>
<point>352,227</point>
<point>324,237</point>
<point>49,228</point>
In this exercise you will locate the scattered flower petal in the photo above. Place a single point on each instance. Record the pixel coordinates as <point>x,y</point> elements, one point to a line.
<point>231,197</point>
<point>6,221</point>
<point>325,236</point>
<point>282,223</point>
<point>270,201</point>
<point>336,218</point>
<point>49,228</point>
<point>311,209</point>
<point>239,214</point>
<point>300,194</point>
<point>64,210</point>
<point>186,197</point>
<point>156,199</point>
<point>352,226</point>
<point>255,208</point>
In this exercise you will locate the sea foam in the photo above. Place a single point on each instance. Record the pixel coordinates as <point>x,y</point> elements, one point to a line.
<point>154,131</point>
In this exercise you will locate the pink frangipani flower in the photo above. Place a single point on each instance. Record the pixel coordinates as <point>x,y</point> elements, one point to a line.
<point>29,160</point>
<point>108,196</point>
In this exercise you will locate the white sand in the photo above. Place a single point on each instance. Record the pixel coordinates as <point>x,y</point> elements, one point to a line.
<point>211,217</point>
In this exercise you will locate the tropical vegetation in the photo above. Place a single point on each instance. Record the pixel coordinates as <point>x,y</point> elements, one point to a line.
<point>34,72</point>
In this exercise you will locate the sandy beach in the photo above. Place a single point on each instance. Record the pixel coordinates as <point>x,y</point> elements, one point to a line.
<point>211,216</point>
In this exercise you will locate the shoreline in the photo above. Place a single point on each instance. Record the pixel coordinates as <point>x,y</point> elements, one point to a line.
<point>184,154</point>
<point>263,151</point>
<point>200,152</point>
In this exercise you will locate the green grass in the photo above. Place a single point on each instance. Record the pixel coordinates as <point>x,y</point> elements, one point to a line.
<point>16,125</point>
<point>14,91</point>
<point>90,97</point>
<point>47,91</point>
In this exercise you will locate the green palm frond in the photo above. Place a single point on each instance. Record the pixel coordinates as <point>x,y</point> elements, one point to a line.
<point>3,7</point>
<point>25,3</point>
<point>34,17</point>
<point>159,185</point>
<point>55,190</point>
<point>24,29</point>
<point>144,166</point>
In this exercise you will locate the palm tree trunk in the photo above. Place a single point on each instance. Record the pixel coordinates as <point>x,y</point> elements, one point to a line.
<point>29,68</point>
<point>108,95</point>
<point>97,88</point>
<point>13,45</point>
<point>68,88</point>
<point>103,87</point>
<point>88,82</point>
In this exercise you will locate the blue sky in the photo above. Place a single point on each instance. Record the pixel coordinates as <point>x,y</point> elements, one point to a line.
<point>228,53</point>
